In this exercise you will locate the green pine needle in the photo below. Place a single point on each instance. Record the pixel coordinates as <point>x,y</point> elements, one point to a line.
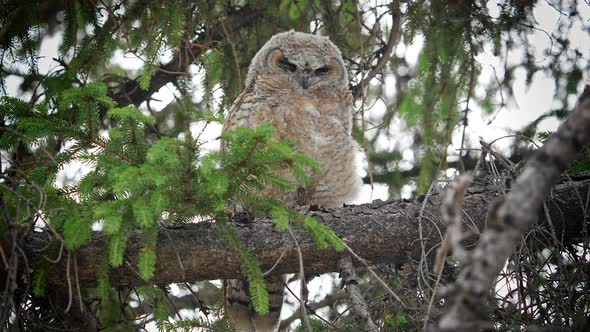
<point>77,232</point>
<point>39,282</point>
<point>147,262</point>
<point>117,246</point>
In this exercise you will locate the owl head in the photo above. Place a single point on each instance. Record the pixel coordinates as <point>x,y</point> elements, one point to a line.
<point>309,61</point>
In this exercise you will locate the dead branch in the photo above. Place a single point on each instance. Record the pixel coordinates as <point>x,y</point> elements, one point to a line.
<point>512,218</point>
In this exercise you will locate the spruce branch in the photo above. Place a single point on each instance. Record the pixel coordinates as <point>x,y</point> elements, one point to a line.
<point>130,91</point>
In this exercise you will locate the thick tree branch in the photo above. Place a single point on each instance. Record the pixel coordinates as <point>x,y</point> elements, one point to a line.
<point>379,232</point>
<point>509,221</point>
<point>129,92</point>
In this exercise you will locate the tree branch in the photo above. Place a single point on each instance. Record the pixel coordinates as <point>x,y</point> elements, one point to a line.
<point>509,221</point>
<point>129,92</point>
<point>350,282</point>
<point>394,37</point>
<point>329,300</point>
<point>380,232</point>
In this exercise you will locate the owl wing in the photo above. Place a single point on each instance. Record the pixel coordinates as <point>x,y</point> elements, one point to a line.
<point>239,114</point>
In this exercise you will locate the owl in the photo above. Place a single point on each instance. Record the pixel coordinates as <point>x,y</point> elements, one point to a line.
<point>298,83</point>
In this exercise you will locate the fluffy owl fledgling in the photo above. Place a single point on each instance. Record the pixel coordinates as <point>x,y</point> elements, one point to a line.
<point>298,83</point>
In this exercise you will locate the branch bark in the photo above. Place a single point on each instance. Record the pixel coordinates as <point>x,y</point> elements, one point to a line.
<point>381,232</point>
<point>509,221</point>
<point>130,92</point>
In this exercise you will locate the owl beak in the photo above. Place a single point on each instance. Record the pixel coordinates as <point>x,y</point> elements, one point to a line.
<point>305,78</point>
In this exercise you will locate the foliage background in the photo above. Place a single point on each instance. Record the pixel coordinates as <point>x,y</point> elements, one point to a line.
<point>113,97</point>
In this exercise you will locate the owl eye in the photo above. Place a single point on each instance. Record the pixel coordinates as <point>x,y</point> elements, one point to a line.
<point>286,65</point>
<point>323,70</point>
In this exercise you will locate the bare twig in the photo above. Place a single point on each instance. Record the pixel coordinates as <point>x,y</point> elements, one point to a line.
<point>303,285</point>
<point>4,260</point>
<point>269,271</point>
<point>383,283</point>
<point>423,253</point>
<point>326,301</point>
<point>394,37</point>
<point>359,306</point>
<point>69,279</point>
<point>163,229</point>
<point>78,282</point>
<point>313,312</point>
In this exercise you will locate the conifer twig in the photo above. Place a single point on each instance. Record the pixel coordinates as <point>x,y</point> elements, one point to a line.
<point>130,92</point>
<point>103,146</point>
